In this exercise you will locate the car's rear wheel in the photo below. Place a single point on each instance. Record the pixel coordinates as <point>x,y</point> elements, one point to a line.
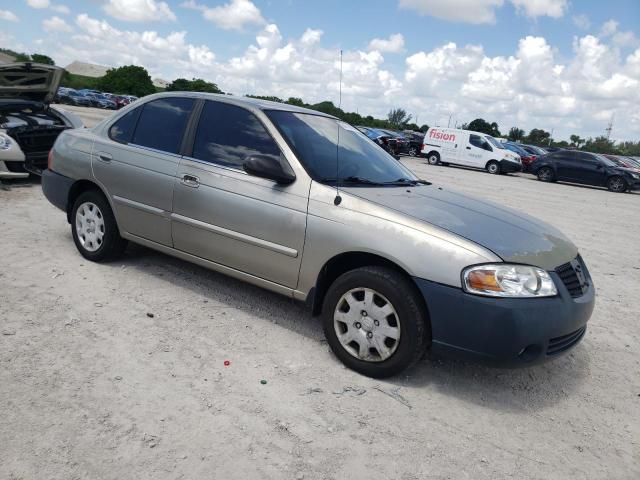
<point>433,158</point>
<point>375,322</point>
<point>617,184</point>
<point>493,167</point>
<point>545,174</point>
<point>413,151</point>
<point>94,228</point>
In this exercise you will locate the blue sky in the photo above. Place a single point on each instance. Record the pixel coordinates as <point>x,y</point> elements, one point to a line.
<point>548,63</point>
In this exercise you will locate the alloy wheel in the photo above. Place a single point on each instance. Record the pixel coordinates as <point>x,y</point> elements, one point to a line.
<point>367,325</point>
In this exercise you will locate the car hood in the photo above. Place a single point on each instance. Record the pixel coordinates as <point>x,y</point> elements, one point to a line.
<point>30,81</point>
<point>513,236</point>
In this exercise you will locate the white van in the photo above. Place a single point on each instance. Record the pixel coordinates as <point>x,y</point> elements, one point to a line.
<point>468,148</point>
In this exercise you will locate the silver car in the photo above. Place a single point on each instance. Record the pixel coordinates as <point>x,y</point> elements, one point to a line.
<point>305,205</point>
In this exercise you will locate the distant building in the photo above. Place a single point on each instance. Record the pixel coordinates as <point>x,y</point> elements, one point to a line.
<point>87,69</point>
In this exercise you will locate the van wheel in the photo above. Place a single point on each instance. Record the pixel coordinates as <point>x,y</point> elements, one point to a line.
<point>545,174</point>
<point>493,167</point>
<point>617,184</point>
<point>94,228</point>
<point>433,158</point>
<point>375,322</point>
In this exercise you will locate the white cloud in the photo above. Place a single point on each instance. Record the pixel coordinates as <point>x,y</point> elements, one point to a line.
<point>311,37</point>
<point>541,8</point>
<point>620,39</point>
<point>8,16</point>
<point>468,11</point>
<point>609,28</point>
<point>581,21</point>
<point>55,24</point>
<point>231,16</point>
<point>139,10</point>
<point>42,4</point>
<point>393,44</point>
<point>483,11</point>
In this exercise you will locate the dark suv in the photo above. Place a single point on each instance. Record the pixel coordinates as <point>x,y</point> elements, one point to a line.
<point>586,168</point>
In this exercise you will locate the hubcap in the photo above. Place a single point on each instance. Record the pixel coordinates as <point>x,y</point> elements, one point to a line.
<point>90,226</point>
<point>545,174</point>
<point>493,168</point>
<point>617,184</point>
<point>412,152</point>
<point>367,325</point>
<point>433,160</point>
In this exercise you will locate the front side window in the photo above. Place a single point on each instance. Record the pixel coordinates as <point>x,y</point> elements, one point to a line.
<point>494,142</point>
<point>330,149</point>
<point>228,134</point>
<point>478,141</point>
<point>162,123</point>
<point>122,130</point>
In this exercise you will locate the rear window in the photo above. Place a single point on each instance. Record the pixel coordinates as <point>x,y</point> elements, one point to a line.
<point>122,130</point>
<point>162,123</point>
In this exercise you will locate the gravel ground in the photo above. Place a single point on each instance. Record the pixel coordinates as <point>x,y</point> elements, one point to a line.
<point>117,370</point>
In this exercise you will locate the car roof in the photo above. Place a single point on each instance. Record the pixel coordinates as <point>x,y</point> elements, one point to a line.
<point>256,103</point>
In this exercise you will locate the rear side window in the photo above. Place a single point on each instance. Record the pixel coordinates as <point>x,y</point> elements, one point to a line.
<point>122,130</point>
<point>227,135</point>
<point>162,123</point>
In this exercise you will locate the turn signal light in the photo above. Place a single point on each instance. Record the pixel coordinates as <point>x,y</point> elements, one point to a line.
<point>50,159</point>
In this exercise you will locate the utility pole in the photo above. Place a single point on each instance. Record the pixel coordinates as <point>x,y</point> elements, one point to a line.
<point>449,122</point>
<point>609,128</point>
<point>551,136</point>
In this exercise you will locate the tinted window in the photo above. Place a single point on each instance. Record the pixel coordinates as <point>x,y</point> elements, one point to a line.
<point>479,142</point>
<point>228,135</point>
<point>122,130</point>
<point>162,122</point>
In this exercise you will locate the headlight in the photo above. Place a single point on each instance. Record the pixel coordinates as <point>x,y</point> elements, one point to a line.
<point>504,280</point>
<point>5,142</point>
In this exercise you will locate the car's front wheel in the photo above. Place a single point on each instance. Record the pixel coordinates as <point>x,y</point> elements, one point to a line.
<point>413,151</point>
<point>545,174</point>
<point>375,321</point>
<point>617,184</point>
<point>94,228</point>
<point>493,167</point>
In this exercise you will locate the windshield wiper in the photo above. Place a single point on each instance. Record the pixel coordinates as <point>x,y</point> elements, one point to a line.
<point>407,182</point>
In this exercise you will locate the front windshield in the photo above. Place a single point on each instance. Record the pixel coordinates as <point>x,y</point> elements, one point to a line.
<point>494,142</point>
<point>314,139</point>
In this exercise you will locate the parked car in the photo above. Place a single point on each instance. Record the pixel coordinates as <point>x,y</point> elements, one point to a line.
<point>625,162</point>
<point>402,143</point>
<point>415,142</point>
<point>384,140</point>
<point>534,150</point>
<point>71,97</point>
<point>264,192</point>
<point>553,149</point>
<point>100,101</point>
<point>468,148</point>
<point>585,168</point>
<point>526,158</point>
<point>29,125</point>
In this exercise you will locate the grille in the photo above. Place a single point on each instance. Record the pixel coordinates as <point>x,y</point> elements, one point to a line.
<point>565,342</point>
<point>574,276</point>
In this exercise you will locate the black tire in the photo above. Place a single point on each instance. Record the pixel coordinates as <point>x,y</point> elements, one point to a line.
<point>493,167</point>
<point>545,174</point>
<point>112,244</point>
<point>411,316</point>
<point>433,158</point>
<point>617,184</point>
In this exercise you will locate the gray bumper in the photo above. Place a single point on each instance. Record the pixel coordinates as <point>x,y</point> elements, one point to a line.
<point>56,188</point>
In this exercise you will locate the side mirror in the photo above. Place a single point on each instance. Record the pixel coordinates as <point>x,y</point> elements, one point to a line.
<point>266,166</point>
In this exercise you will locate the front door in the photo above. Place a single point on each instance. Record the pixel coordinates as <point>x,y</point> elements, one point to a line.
<point>137,165</point>
<point>224,215</point>
<point>475,151</point>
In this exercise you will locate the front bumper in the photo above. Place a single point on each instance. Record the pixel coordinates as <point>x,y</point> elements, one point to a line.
<point>507,332</point>
<point>633,184</point>
<point>56,188</point>
<point>507,166</point>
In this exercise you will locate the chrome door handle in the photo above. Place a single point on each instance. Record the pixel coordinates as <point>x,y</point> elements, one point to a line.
<point>105,157</point>
<point>190,181</point>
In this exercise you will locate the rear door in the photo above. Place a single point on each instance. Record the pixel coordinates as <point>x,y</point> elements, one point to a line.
<point>137,163</point>
<point>240,221</point>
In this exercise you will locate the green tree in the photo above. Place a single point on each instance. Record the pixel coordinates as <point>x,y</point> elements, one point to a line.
<point>600,144</point>
<point>398,117</point>
<point>193,85</point>
<point>482,126</point>
<point>538,136</point>
<point>424,128</point>
<point>22,57</point>
<point>128,80</point>
<point>515,134</point>
<point>576,140</point>
<point>39,58</point>
<point>412,126</point>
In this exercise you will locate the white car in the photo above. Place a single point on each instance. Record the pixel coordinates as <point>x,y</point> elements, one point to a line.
<point>29,126</point>
<point>470,149</point>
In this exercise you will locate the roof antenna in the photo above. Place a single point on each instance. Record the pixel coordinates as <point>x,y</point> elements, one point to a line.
<point>338,199</point>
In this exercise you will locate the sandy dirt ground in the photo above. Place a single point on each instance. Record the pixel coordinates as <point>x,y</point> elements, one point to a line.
<point>116,371</point>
